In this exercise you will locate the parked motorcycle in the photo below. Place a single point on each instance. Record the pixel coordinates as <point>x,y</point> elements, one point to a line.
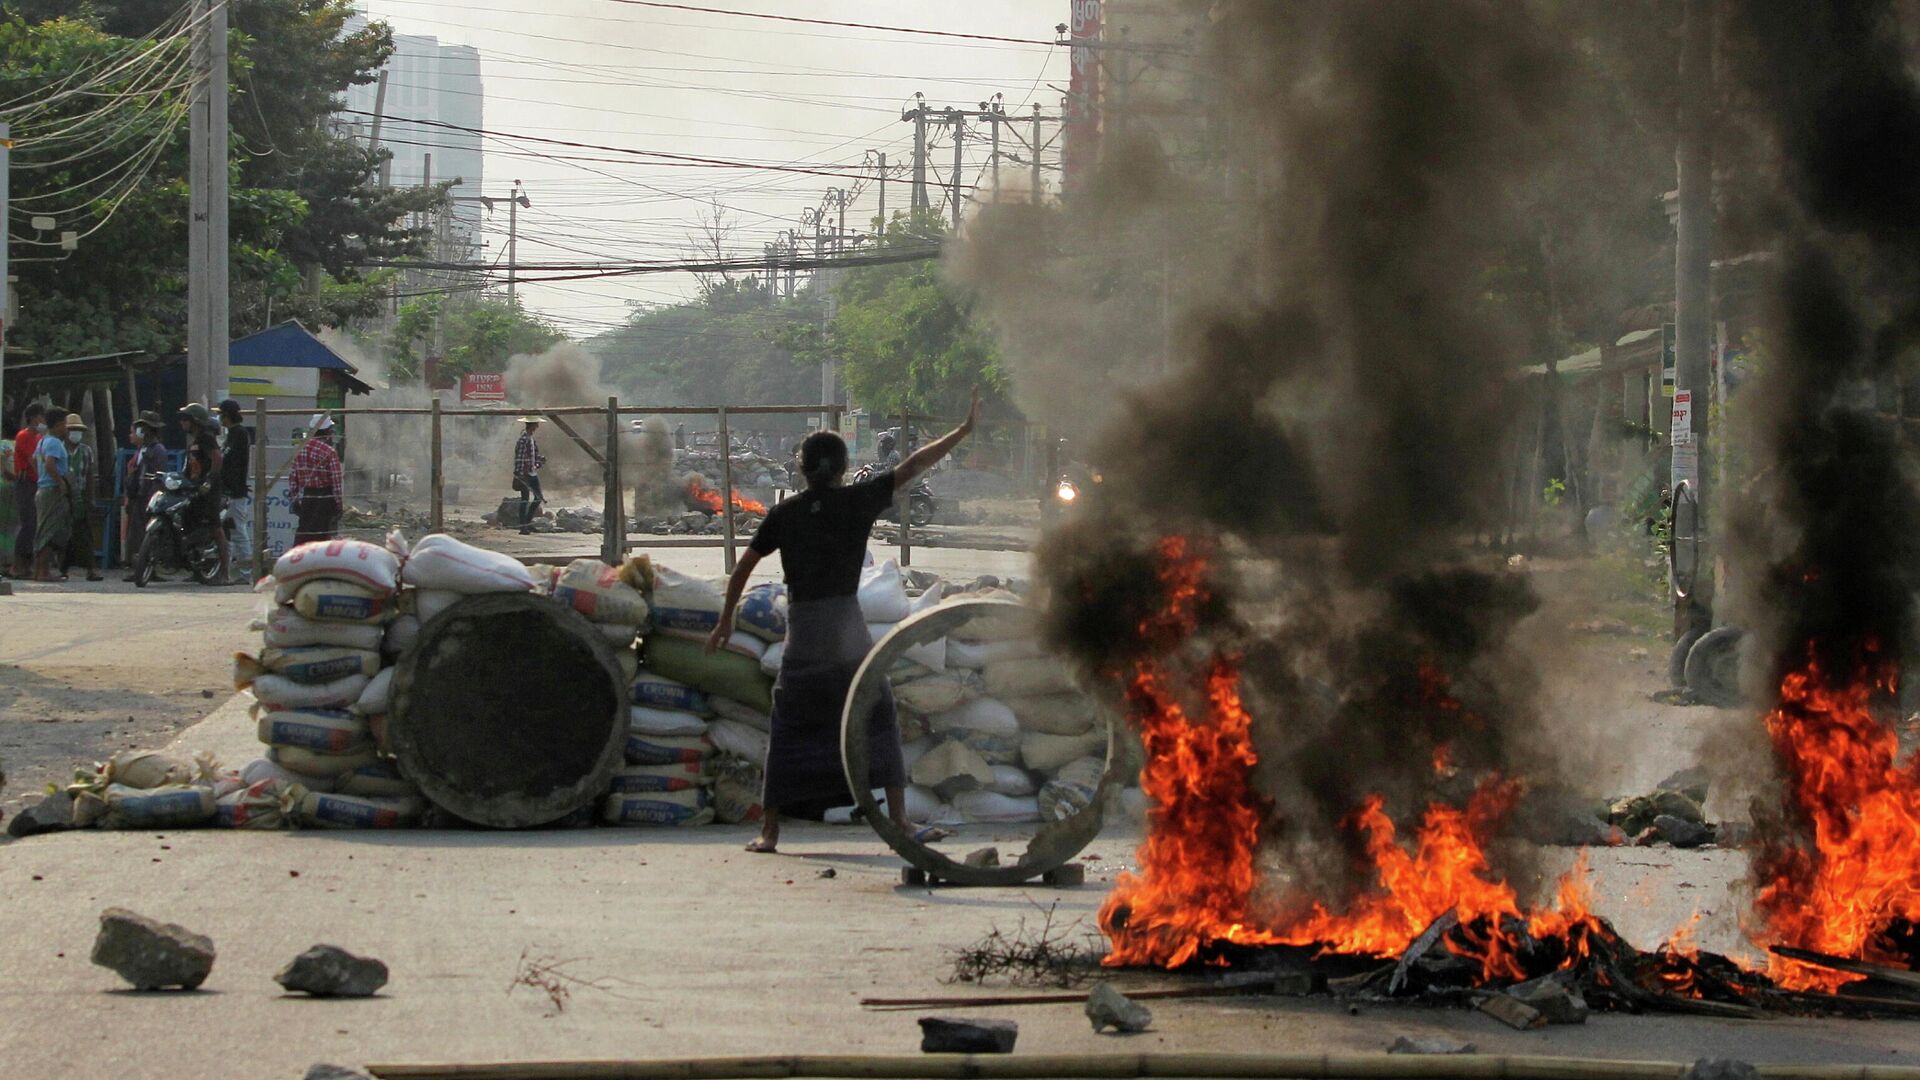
<point>921,504</point>
<point>171,544</point>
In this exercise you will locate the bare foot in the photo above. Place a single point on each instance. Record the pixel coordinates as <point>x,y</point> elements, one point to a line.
<point>763,845</point>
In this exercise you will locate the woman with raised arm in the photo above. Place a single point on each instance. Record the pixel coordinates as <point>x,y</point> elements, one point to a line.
<point>821,535</point>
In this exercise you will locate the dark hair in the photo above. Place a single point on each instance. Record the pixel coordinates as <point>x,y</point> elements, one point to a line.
<point>34,409</point>
<point>823,459</point>
<point>230,407</point>
<point>56,416</point>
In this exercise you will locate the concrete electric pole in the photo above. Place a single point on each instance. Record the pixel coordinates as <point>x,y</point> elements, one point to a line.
<point>1693,320</point>
<point>208,327</point>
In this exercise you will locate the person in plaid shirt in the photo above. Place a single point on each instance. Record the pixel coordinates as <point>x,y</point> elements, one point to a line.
<point>314,482</point>
<point>527,460</point>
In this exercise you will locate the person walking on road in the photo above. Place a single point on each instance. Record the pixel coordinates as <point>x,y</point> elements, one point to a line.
<point>821,535</point>
<point>53,499</point>
<point>149,460</point>
<point>236,461</point>
<point>527,460</point>
<point>26,486</point>
<point>315,484</point>
<point>83,472</point>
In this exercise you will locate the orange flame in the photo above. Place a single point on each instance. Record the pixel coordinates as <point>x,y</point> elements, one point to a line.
<point>1855,870</point>
<point>701,495</point>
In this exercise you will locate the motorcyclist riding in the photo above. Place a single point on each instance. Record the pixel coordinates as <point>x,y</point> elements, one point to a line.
<point>886,451</point>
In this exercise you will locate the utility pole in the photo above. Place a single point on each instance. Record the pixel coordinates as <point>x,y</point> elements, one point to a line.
<point>883,192</point>
<point>1034,153</point>
<point>208,328</point>
<point>515,200</point>
<point>918,115</point>
<point>1693,318</point>
<point>958,120</point>
<point>6,290</point>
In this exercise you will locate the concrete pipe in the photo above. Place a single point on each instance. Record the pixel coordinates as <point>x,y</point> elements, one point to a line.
<point>1056,843</point>
<point>509,711</point>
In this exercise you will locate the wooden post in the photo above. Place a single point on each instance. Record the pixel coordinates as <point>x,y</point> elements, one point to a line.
<point>726,483</point>
<point>903,503</point>
<point>437,515</point>
<point>259,488</point>
<point>133,398</point>
<point>614,519</point>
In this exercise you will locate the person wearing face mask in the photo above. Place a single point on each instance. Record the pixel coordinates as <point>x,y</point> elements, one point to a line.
<point>149,460</point>
<point>82,473</point>
<point>53,501</point>
<point>26,485</point>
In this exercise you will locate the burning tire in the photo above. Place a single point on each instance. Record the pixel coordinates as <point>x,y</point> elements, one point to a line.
<point>1713,666</point>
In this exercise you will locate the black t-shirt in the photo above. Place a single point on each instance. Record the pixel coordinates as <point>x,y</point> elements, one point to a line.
<point>200,451</point>
<point>822,537</point>
<point>233,467</point>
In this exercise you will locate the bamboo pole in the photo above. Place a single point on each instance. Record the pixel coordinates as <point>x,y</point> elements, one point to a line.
<point>437,511</point>
<point>588,448</point>
<point>1118,1067</point>
<point>567,410</point>
<point>613,523</point>
<point>259,488</point>
<point>1008,1000</point>
<point>726,484</point>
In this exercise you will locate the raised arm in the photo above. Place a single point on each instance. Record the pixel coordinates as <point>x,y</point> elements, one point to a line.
<point>929,455</point>
<point>736,585</point>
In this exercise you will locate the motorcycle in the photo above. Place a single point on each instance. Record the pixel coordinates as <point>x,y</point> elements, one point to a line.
<point>921,504</point>
<point>171,544</point>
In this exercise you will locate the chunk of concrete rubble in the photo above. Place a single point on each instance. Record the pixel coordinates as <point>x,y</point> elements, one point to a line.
<point>152,955</point>
<point>965,1035</point>
<point>330,971</point>
<point>1512,1012</point>
<point>1429,1044</point>
<point>1109,1008</point>
<point>51,814</point>
<point>323,1071</point>
<point>1682,833</point>
<point>1692,782</point>
<point>1720,1069</point>
<point>984,858</point>
<point>1552,998</point>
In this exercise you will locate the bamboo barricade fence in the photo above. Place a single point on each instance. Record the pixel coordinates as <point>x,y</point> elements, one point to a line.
<point>613,538</point>
<point>1118,1067</point>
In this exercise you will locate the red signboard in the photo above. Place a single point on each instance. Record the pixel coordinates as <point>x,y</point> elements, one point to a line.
<point>1082,145</point>
<point>489,387</point>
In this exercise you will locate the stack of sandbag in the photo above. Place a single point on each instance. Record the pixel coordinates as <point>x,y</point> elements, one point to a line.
<point>668,778</point>
<point>613,598</point>
<point>149,789</point>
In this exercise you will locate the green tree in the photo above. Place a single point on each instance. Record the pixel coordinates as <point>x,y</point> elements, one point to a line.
<point>727,346</point>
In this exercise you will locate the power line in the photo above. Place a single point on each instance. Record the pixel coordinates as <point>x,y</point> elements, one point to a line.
<point>835,22</point>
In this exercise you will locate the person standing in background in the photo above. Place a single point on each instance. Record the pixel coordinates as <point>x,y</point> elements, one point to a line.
<point>203,473</point>
<point>82,466</point>
<point>53,499</point>
<point>149,459</point>
<point>315,483</point>
<point>527,460</point>
<point>236,459</point>
<point>26,485</point>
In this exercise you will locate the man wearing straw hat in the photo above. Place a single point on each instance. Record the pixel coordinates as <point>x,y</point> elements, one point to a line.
<point>527,460</point>
<point>315,484</point>
<point>82,471</point>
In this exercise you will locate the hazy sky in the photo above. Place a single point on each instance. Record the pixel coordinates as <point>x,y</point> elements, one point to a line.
<point>719,86</point>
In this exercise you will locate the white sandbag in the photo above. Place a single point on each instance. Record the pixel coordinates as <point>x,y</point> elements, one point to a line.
<point>932,694</point>
<point>985,725</point>
<point>743,741</point>
<point>667,749</point>
<point>328,600</point>
<point>429,603</point>
<point>144,769</point>
<point>329,767</point>
<point>288,629</point>
<point>729,709</point>
<point>659,692</point>
<point>739,643</point>
<point>924,805</point>
<point>342,560</point>
<point>331,810</point>
<point>648,720</point>
<point>1056,714</point>
<point>401,634</point>
<point>1009,625</point>
<point>930,655</point>
<point>882,594</point>
<point>171,806</point>
<point>951,768</point>
<point>277,692</point>
<point>684,603</point>
<point>329,731</point>
<point>912,750</point>
<point>312,664</point>
<point>1012,780</point>
<point>377,698</point>
<point>1048,753</point>
<point>595,590</point>
<point>673,808</point>
<point>975,655</point>
<point>441,562</point>
<point>680,776</point>
<point>992,808</point>
<point>1031,677</point>
<point>737,786</point>
<point>262,804</point>
<point>1072,788</point>
<point>380,780</point>
<point>763,612</point>
<point>770,660</point>
<point>253,772</point>
<point>1128,807</point>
